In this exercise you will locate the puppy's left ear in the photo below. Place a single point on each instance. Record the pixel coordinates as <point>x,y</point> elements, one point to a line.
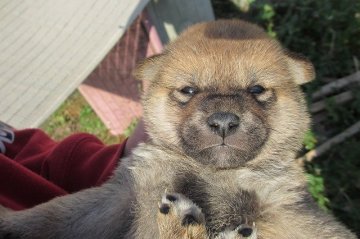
<point>148,68</point>
<point>302,70</point>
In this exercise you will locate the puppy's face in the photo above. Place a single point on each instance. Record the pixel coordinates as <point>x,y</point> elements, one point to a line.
<point>225,94</point>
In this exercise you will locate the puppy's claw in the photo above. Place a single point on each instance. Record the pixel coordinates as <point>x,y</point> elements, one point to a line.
<point>171,198</point>
<point>245,232</point>
<point>164,209</point>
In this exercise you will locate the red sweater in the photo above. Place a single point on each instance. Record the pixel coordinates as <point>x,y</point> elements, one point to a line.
<point>35,169</point>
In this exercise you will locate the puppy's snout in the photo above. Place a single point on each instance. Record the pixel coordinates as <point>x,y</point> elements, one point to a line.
<point>223,123</point>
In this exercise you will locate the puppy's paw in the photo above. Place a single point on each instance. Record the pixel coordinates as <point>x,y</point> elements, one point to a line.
<point>242,231</point>
<point>183,209</point>
<point>179,217</point>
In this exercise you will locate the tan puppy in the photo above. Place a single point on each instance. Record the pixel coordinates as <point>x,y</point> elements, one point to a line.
<point>226,116</point>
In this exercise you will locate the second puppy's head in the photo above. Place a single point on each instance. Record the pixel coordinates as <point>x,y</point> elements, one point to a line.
<point>225,93</point>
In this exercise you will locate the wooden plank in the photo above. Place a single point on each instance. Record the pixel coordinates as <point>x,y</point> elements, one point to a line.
<point>338,99</point>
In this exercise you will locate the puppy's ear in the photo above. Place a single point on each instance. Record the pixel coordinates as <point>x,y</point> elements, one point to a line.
<point>149,67</point>
<point>302,70</point>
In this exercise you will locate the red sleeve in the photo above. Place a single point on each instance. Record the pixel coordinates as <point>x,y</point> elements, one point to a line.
<point>35,169</point>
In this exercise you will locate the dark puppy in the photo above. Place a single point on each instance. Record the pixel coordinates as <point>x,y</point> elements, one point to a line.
<point>225,116</point>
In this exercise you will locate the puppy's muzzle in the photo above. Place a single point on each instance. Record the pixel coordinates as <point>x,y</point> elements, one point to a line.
<point>223,123</point>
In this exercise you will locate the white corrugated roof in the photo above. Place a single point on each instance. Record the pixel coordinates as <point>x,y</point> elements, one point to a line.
<point>48,47</point>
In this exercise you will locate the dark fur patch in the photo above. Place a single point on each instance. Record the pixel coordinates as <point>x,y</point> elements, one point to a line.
<point>11,236</point>
<point>192,187</point>
<point>189,220</point>
<point>231,30</point>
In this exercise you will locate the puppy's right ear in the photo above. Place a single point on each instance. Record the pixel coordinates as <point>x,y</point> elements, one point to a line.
<point>301,69</point>
<point>149,67</point>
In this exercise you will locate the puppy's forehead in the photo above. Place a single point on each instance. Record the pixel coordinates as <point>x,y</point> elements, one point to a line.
<point>225,63</point>
<point>226,54</point>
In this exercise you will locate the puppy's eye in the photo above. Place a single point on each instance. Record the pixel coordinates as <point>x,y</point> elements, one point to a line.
<point>188,90</point>
<point>256,89</point>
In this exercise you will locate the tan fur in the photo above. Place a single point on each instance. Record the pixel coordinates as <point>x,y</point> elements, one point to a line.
<point>204,57</point>
<point>216,183</point>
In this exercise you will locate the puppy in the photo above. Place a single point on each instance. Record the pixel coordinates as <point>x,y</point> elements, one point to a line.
<point>225,116</point>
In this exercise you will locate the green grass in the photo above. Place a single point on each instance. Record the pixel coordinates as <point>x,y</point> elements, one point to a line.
<point>76,115</point>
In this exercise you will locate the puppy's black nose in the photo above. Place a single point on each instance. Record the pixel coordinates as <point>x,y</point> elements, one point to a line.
<point>223,123</point>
